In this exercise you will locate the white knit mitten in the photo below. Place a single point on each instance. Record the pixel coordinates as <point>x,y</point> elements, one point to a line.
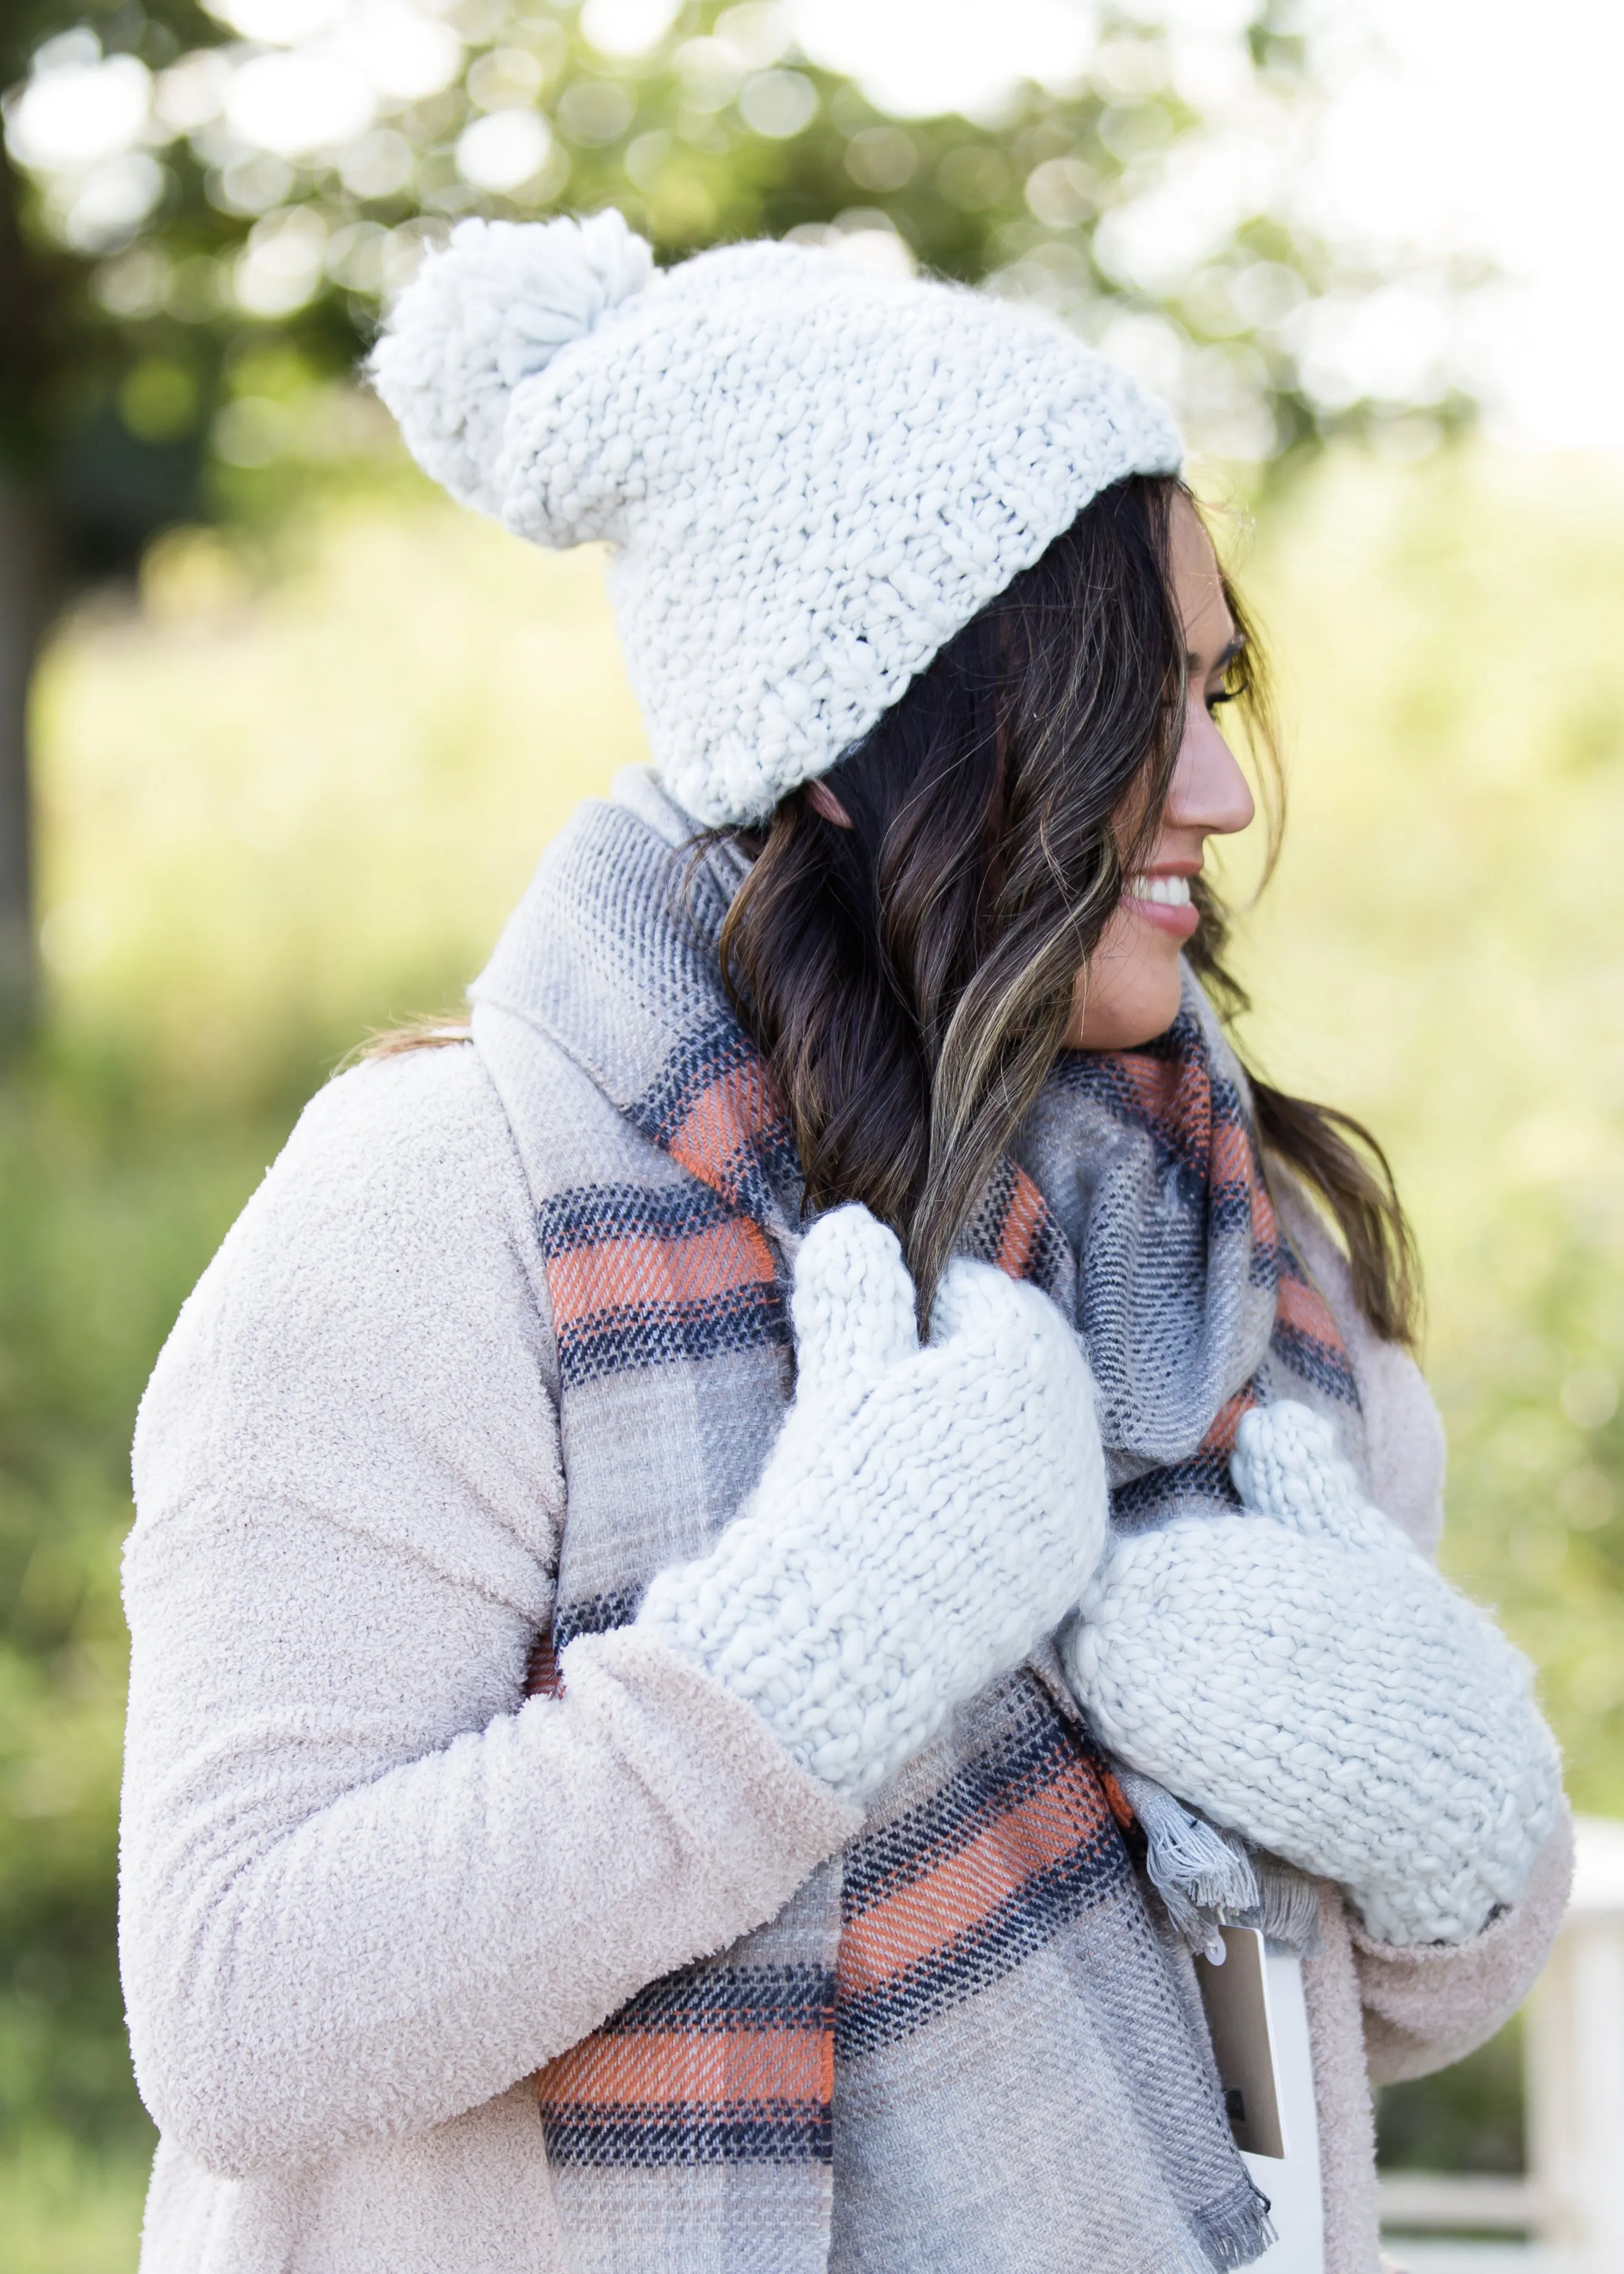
<point>926,1517</point>
<point>1312,1682</point>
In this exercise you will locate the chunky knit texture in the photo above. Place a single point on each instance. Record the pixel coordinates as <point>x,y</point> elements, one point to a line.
<point>813,476</point>
<point>475,327</point>
<point>1308,1680</point>
<point>927,1516</point>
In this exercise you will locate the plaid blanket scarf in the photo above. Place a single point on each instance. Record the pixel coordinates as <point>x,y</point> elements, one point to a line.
<point>971,2042</point>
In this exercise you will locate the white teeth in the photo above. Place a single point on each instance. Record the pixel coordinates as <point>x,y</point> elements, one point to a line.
<point>1166,891</point>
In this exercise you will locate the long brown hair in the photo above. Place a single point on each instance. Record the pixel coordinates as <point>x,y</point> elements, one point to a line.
<point>909,979</point>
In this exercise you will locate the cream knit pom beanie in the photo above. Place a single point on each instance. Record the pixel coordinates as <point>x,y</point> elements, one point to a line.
<point>813,476</point>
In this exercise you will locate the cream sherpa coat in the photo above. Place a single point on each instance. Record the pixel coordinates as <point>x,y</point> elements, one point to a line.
<point>368,1888</point>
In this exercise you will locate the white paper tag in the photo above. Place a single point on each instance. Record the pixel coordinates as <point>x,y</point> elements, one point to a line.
<point>1259,2018</point>
<point>1236,1995</point>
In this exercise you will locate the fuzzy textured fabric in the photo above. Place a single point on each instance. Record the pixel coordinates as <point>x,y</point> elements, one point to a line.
<point>988,1926</point>
<point>365,1886</point>
<point>352,1504</point>
<point>1412,1995</point>
<point>1381,2013</point>
<point>300,1973</point>
<point>925,1518</point>
<point>1311,1683</point>
<point>813,477</point>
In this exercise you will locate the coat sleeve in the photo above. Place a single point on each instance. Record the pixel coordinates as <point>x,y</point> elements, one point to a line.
<point>366,1884</point>
<point>1432,2004</point>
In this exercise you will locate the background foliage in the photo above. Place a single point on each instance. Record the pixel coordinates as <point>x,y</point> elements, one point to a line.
<point>211,203</point>
<point>202,210</point>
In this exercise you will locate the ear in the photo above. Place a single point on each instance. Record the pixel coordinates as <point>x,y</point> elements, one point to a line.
<point>824,802</point>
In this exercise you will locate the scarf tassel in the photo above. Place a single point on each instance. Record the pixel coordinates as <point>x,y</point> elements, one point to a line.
<point>1238,2230</point>
<point>1208,1878</point>
<point>1287,1906</point>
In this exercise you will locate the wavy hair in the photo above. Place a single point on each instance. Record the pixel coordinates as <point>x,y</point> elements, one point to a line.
<point>909,980</point>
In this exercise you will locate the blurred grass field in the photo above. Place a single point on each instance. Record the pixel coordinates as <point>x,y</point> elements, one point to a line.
<point>290,797</point>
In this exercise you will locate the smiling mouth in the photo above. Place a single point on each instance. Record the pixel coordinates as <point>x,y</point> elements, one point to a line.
<point>1164,902</point>
<point>1161,891</point>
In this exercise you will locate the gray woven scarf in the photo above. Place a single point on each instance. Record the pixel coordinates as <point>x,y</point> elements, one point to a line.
<point>972,2041</point>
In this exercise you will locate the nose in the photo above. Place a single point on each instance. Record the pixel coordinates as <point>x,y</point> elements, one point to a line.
<point>1209,794</point>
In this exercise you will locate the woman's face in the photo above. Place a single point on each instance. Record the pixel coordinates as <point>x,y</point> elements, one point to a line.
<point>1129,993</point>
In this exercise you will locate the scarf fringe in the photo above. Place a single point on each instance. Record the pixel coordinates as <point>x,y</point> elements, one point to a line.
<point>1235,2232</point>
<point>1288,1905</point>
<point>1198,1872</point>
<point>1208,1878</point>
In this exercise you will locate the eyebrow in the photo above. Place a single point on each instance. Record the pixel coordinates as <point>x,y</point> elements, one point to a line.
<point>1236,648</point>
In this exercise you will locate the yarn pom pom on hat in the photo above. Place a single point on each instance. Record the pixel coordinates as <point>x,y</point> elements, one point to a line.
<point>475,324</point>
<point>812,475</point>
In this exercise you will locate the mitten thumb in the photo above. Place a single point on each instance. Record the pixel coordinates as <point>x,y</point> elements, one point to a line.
<point>1287,1464</point>
<point>853,1308</point>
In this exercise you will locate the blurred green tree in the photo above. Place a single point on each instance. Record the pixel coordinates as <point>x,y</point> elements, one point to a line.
<point>201,210</point>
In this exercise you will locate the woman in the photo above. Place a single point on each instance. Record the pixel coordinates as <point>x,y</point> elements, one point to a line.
<point>829,1337</point>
